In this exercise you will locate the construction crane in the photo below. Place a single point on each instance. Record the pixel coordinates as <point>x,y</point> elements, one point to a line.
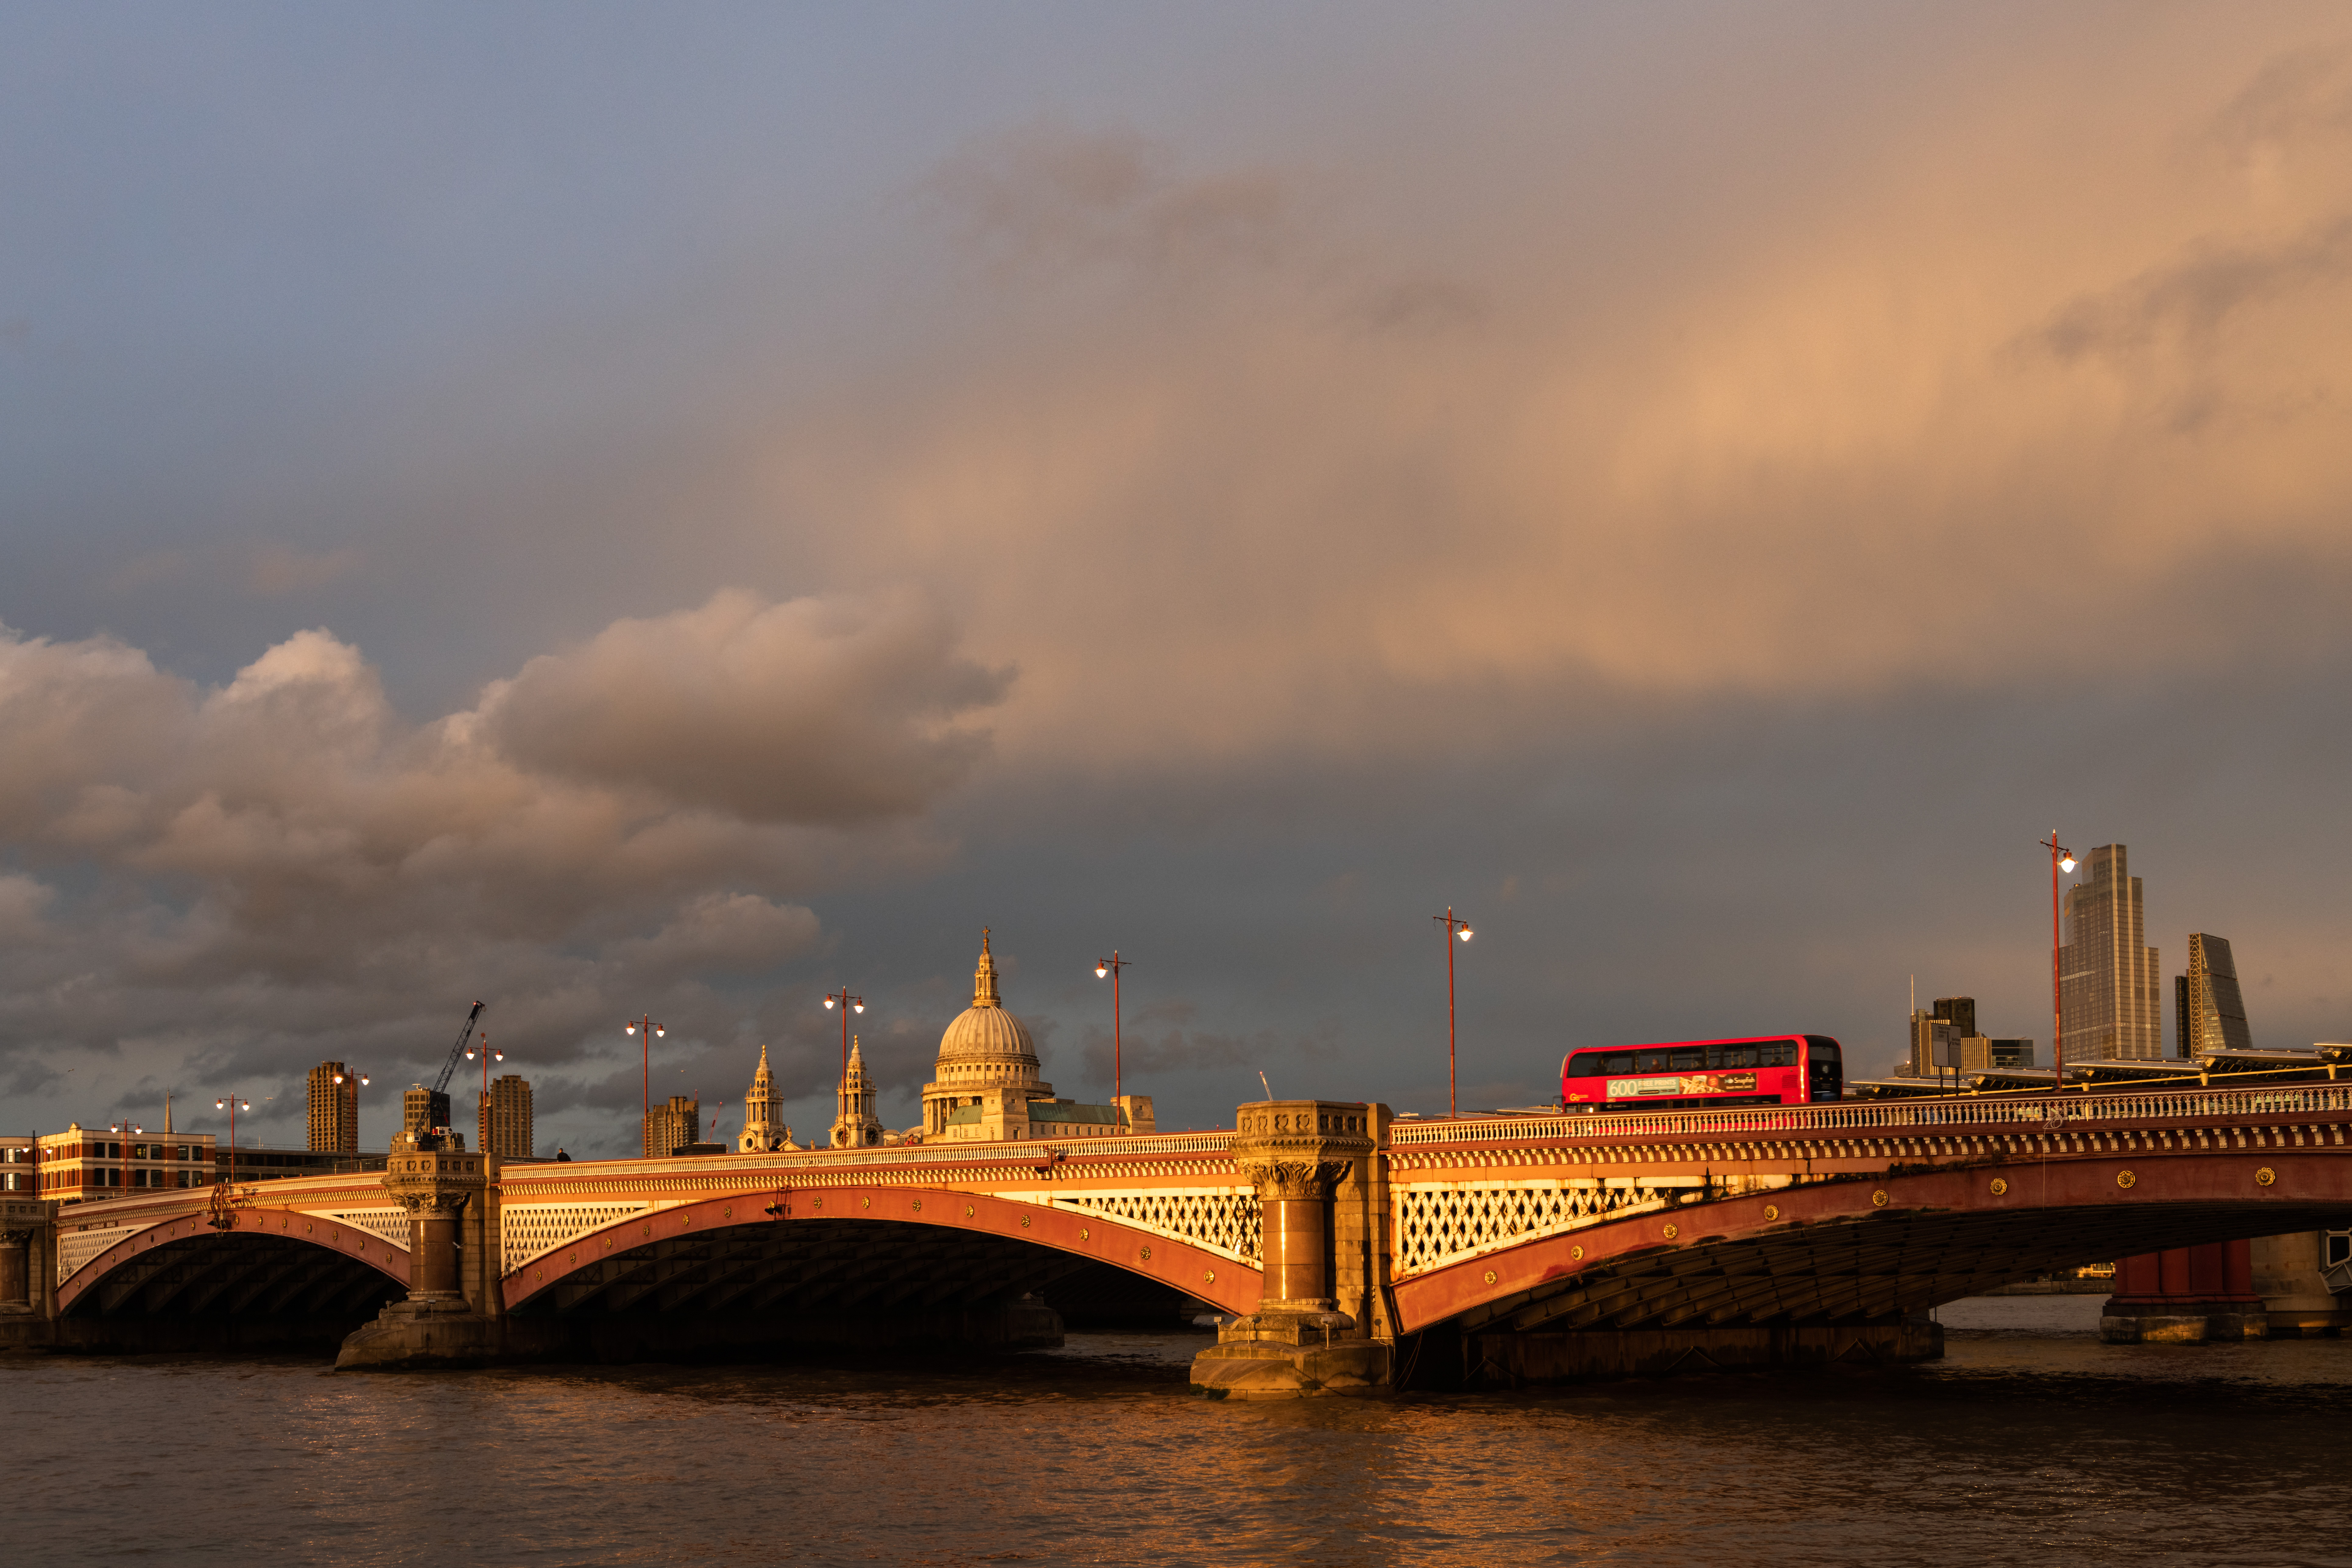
<point>457,1051</point>
<point>436,1101</point>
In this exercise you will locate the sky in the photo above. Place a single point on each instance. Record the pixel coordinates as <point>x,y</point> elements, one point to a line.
<point>619,511</point>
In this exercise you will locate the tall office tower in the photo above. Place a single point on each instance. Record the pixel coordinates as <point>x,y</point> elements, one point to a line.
<point>1936,1036</point>
<point>422,1110</point>
<point>2208,1007</point>
<point>669,1128</point>
<point>334,1108</point>
<point>2110,987</point>
<point>505,1118</point>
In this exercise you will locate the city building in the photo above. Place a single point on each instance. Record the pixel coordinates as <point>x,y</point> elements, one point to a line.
<point>81,1163</point>
<point>424,1112</point>
<point>986,1085</point>
<point>2208,1010</point>
<point>2110,988</point>
<point>855,1125</point>
<point>505,1118</point>
<point>763,1129</point>
<point>16,1175</point>
<point>334,1108</point>
<point>674,1126</point>
<point>1945,1040</point>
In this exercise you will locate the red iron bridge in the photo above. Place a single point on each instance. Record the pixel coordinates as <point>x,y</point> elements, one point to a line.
<point>1341,1249</point>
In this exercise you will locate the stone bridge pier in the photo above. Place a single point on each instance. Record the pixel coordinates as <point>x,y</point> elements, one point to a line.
<point>453,1314</point>
<point>1322,1325</point>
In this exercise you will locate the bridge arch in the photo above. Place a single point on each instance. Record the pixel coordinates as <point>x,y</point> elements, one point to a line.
<point>270,1262</point>
<point>855,1249</point>
<point>1866,1248</point>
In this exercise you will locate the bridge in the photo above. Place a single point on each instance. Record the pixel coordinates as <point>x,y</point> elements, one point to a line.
<point>1346,1249</point>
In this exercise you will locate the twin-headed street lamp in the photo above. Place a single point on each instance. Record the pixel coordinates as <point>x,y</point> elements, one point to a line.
<point>2060,859</point>
<point>1111,966</point>
<point>490,1056</point>
<point>848,1005</point>
<point>134,1130</point>
<point>1454,928</point>
<point>232,1104</point>
<point>646,1029</point>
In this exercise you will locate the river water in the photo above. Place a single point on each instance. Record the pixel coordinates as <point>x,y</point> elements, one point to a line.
<point>2030,1441</point>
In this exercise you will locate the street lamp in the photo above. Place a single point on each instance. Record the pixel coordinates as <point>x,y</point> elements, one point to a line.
<point>356,1082</point>
<point>232,1104</point>
<point>120,1128</point>
<point>645,1029</point>
<point>848,1005</point>
<point>1111,966</point>
<point>483,1107</point>
<point>2060,859</point>
<point>1454,928</point>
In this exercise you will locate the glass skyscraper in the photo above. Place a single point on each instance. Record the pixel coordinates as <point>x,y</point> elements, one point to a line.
<point>2110,986</point>
<point>2212,1009</point>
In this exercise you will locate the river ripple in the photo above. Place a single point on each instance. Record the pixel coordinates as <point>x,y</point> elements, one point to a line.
<point>2030,1442</point>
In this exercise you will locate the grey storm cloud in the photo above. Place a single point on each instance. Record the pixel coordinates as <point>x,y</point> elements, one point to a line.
<point>285,858</point>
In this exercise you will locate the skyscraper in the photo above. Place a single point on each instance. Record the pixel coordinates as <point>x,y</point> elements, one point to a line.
<point>2110,990</point>
<point>672,1127</point>
<point>334,1108</point>
<point>2209,1010</point>
<point>505,1118</point>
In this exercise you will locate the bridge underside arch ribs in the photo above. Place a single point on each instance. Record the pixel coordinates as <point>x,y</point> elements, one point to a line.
<point>1869,1251</point>
<point>273,1264</point>
<point>837,1253</point>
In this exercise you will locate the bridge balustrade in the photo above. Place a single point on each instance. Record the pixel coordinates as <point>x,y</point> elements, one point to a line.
<point>2038,1111</point>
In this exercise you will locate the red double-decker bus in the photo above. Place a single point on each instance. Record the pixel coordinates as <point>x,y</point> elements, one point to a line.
<point>1703,1075</point>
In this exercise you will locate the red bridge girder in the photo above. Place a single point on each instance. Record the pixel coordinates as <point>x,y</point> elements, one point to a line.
<point>1869,1247</point>
<point>181,1237</point>
<point>1194,1271</point>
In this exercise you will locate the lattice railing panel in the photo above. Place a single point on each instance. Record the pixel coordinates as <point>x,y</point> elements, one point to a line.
<point>385,1224</point>
<point>529,1230</point>
<point>1436,1225</point>
<point>1216,1220</point>
<point>75,1247</point>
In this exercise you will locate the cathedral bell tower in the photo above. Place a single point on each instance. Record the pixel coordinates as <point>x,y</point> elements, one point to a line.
<point>855,1125</point>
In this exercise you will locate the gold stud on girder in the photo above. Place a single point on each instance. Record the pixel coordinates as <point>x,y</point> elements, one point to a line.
<point>1576,1252</point>
<point>1490,1276</point>
<point>1878,1199</point>
<point>1671,1232</point>
<point>2125,1179</point>
<point>2265,1176</point>
<point>1210,1278</point>
<point>1771,1211</point>
<point>1999,1185</point>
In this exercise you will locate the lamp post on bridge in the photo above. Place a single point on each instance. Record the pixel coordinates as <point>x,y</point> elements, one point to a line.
<point>2060,859</point>
<point>1111,966</point>
<point>223,1197</point>
<point>1454,928</point>
<point>847,1005</point>
<point>357,1081</point>
<point>482,1106</point>
<point>646,1029</point>
<point>121,1129</point>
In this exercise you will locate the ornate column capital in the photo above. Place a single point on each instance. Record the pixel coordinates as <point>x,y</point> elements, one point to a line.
<point>1296,1149</point>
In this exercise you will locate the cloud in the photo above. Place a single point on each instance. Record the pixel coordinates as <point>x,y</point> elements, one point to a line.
<point>807,711</point>
<point>277,571</point>
<point>1048,196</point>
<point>284,867</point>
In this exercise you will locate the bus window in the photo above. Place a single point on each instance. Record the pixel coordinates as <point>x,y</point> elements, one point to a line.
<point>1687,1061</point>
<point>1825,1069</point>
<point>1623,1062</point>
